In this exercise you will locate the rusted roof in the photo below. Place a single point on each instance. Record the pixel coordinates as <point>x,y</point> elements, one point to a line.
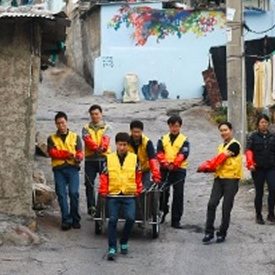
<point>34,11</point>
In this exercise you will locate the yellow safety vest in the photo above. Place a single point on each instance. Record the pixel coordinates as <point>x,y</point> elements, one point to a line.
<point>170,150</point>
<point>142,154</point>
<point>232,167</point>
<point>122,179</point>
<point>97,137</point>
<point>69,145</point>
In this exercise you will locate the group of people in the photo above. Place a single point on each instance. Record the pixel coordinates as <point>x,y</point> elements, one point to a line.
<point>135,164</point>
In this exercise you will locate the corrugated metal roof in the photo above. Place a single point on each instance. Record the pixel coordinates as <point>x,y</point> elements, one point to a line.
<point>35,11</point>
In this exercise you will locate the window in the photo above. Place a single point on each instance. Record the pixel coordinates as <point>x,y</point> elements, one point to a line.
<point>257,4</point>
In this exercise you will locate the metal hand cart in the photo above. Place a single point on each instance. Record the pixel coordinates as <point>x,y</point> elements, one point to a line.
<point>147,212</point>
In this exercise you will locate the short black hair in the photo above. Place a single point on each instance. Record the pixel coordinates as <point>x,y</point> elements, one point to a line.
<point>136,124</point>
<point>60,115</point>
<point>95,107</point>
<point>260,117</point>
<point>174,119</point>
<point>227,123</point>
<point>122,137</point>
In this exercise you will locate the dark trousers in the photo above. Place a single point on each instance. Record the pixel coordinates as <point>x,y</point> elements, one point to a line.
<point>67,179</point>
<point>129,209</point>
<point>92,168</point>
<point>175,179</point>
<point>226,188</point>
<point>146,176</point>
<point>260,176</point>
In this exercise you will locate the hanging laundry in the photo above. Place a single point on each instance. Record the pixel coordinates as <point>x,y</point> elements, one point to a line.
<point>273,76</point>
<point>259,85</point>
<point>269,101</point>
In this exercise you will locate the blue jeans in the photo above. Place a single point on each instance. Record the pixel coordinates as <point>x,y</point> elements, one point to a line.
<point>129,210</point>
<point>92,168</point>
<point>67,178</point>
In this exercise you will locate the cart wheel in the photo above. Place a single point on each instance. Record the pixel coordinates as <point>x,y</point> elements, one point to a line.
<point>155,211</point>
<point>98,228</point>
<point>155,231</point>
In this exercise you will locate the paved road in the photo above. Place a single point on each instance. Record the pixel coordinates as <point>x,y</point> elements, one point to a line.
<point>249,248</point>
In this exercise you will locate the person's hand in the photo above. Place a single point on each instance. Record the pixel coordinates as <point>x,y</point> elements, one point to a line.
<point>228,153</point>
<point>156,179</point>
<point>101,150</point>
<point>251,168</point>
<point>71,156</point>
<point>171,166</point>
<point>205,168</point>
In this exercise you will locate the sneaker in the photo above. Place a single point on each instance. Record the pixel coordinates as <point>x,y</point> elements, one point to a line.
<point>111,254</point>
<point>124,249</point>
<point>271,218</point>
<point>259,219</point>
<point>66,226</point>
<point>76,225</point>
<point>220,237</point>
<point>207,238</point>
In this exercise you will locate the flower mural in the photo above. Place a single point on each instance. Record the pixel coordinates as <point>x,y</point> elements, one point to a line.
<point>162,23</point>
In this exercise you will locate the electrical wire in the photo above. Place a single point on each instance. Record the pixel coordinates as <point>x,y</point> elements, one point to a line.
<point>258,32</point>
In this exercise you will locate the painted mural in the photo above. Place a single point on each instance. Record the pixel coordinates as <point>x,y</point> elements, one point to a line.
<point>161,23</point>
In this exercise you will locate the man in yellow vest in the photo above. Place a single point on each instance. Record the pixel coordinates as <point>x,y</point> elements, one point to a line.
<point>227,168</point>
<point>172,152</point>
<point>65,149</point>
<point>143,147</point>
<point>97,145</point>
<point>121,183</point>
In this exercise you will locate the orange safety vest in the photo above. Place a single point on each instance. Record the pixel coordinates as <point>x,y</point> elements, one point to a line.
<point>69,145</point>
<point>232,167</point>
<point>142,154</point>
<point>171,150</point>
<point>96,136</point>
<point>122,179</point>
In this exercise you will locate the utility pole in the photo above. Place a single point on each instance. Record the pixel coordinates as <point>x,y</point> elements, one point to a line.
<point>235,62</point>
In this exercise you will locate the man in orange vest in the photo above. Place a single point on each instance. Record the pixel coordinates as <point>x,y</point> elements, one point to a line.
<point>97,145</point>
<point>172,152</point>
<point>65,149</point>
<point>121,183</point>
<point>143,147</point>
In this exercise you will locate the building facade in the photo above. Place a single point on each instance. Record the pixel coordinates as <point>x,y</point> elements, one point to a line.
<point>170,46</point>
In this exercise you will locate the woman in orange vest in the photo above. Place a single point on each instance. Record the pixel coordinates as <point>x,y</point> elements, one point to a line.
<point>227,168</point>
<point>121,183</point>
<point>65,149</point>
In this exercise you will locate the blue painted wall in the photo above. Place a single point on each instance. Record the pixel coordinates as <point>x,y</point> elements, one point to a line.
<point>178,62</point>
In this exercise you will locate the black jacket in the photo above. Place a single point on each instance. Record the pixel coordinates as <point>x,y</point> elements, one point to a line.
<point>263,147</point>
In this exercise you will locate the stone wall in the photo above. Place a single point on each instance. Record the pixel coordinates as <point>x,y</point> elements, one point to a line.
<point>91,43</point>
<point>74,53</point>
<point>19,70</point>
<point>83,42</point>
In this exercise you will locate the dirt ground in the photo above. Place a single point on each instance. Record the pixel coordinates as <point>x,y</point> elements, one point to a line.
<point>249,248</point>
